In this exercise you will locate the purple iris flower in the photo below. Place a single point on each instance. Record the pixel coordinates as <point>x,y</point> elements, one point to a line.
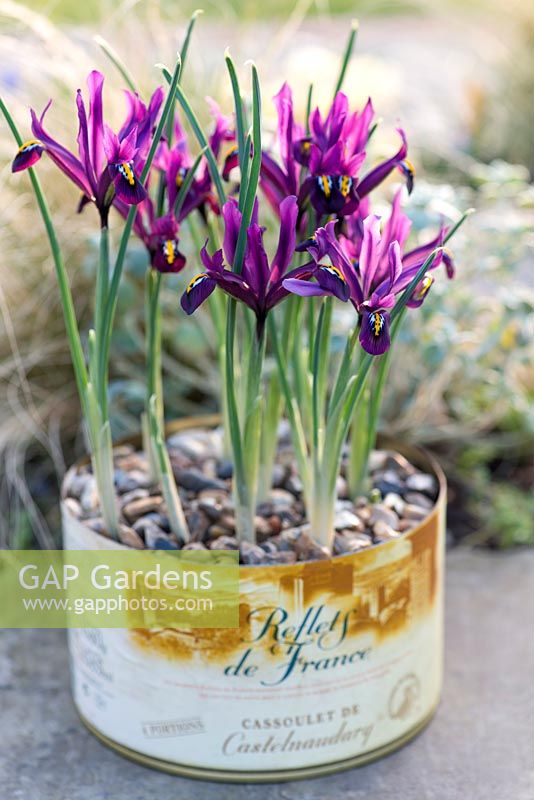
<point>107,164</point>
<point>160,235</point>
<point>374,270</point>
<point>260,284</point>
<point>324,165</point>
<point>175,162</point>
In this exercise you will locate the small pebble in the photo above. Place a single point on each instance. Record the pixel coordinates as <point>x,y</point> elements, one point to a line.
<point>195,444</point>
<point>225,543</point>
<point>281,499</point>
<point>349,542</point>
<point>377,460</point>
<point>415,512</point>
<point>198,523</point>
<point>75,483</point>
<point>130,538</point>
<point>138,508</point>
<point>346,519</point>
<point>294,485</point>
<point>89,499</point>
<point>227,520</point>
<point>418,499</point>
<point>286,557</point>
<point>395,502</point>
<point>342,487</point>
<point>269,546</point>
<point>364,513</point>
<point>195,481</point>
<point>421,482</point>
<point>162,542</point>
<point>214,531</point>
<point>279,476</point>
<point>384,532</point>
<point>132,462</point>
<point>135,494</point>
<point>399,464</point>
<point>225,469</point>
<point>150,533</point>
<point>73,507</point>
<point>123,450</point>
<point>251,553</point>
<point>97,525</point>
<point>379,512</point>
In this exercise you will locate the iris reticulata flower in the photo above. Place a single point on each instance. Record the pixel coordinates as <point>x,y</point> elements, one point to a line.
<point>107,164</point>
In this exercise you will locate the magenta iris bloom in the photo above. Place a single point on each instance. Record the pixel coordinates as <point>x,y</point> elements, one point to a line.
<point>324,165</point>
<point>161,234</point>
<point>107,164</point>
<point>374,269</point>
<point>260,284</point>
<point>175,162</point>
<point>161,237</point>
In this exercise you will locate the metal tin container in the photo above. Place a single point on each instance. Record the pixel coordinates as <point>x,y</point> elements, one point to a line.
<point>335,663</point>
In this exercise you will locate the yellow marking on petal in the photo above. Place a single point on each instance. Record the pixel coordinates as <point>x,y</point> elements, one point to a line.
<point>169,251</point>
<point>325,182</point>
<point>345,185</point>
<point>306,147</point>
<point>409,167</point>
<point>334,271</point>
<point>426,283</point>
<point>194,282</point>
<point>127,171</point>
<point>29,144</point>
<point>377,323</point>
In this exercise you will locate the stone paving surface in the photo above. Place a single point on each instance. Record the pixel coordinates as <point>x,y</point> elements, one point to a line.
<point>479,747</point>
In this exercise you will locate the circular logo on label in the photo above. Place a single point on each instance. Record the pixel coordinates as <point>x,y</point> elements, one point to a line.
<point>404,697</point>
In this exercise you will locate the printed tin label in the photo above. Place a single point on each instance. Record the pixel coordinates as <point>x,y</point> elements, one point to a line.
<point>333,659</point>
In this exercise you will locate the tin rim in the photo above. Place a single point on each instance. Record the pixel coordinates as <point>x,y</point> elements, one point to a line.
<point>259,776</point>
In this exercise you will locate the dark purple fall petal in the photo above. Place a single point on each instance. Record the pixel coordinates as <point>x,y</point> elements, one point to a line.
<point>374,332</point>
<point>28,154</point>
<point>128,188</point>
<point>198,290</point>
<point>63,158</point>
<point>331,279</point>
<point>304,288</point>
<point>167,257</point>
<point>420,292</point>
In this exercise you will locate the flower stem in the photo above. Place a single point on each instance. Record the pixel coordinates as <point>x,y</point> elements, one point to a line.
<point>67,304</point>
<point>98,427</point>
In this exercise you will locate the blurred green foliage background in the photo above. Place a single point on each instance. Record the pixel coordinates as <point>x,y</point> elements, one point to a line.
<point>460,78</point>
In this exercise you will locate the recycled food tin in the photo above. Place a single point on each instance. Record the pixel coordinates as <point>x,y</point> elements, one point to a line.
<point>335,663</point>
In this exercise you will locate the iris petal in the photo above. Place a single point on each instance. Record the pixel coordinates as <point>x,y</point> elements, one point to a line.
<point>127,186</point>
<point>374,332</point>
<point>198,290</point>
<point>331,279</point>
<point>28,154</point>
